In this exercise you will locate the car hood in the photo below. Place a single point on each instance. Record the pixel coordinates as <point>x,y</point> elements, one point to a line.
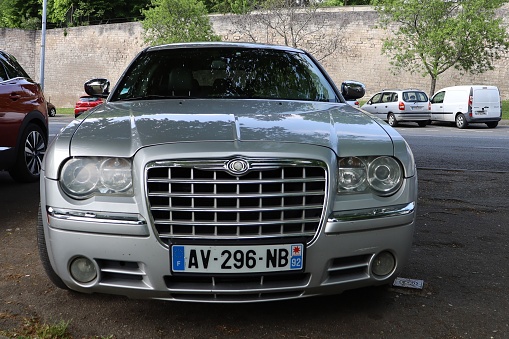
<point>121,128</point>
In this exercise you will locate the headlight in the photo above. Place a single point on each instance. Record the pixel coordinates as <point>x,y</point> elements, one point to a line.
<point>352,174</point>
<point>84,177</point>
<point>385,175</point>
<point>381,175</point>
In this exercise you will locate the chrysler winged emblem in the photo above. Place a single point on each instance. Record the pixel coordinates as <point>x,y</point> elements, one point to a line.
<point>237,166</point>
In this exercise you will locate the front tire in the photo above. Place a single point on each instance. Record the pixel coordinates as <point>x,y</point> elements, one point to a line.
<point>422,123</point>
<point>461,121</point>
<point>29,155</point>
<point>43,254</point>
<point>52,112</point>
<point>492,124</point>
<point>392,120</point>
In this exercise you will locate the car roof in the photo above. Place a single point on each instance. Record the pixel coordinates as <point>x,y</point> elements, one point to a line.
<point>401,90</point>
<point>224,44</point>
<point>467,87</point>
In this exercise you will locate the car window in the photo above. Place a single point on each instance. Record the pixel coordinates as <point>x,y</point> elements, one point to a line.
<point>387,97</point>
<point>376,98</point>
<point>438,98</point>
<point>224,73</point>
<point>12,68</point>
<point>88,99</point>
<point>3,73</point>
<point>415,96</point>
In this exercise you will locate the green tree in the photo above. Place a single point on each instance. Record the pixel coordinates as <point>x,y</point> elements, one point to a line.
<point>24,14</point>
<point>169,21</point>
<point>431,36</point>
<point>83,12</point>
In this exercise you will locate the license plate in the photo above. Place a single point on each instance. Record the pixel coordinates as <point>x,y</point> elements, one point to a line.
<point>481,113</point>
<point>417,108</point>
<point>237,259</point>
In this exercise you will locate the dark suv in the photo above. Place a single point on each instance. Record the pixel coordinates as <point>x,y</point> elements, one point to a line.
<point>23,122</point>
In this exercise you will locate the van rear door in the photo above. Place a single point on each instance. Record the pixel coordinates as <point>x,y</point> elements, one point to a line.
<point>485,102</point>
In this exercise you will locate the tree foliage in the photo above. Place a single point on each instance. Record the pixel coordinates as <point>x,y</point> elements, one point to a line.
<point>83,12</point>
<point>169,21</point>
<point>20,13</point>
<point>432,36</point>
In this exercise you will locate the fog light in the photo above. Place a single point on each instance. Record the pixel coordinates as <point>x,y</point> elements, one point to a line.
<point>383,264</point>
<point>83,270</point>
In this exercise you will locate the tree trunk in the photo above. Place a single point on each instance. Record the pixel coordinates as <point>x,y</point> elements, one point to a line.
<point>433,85</point>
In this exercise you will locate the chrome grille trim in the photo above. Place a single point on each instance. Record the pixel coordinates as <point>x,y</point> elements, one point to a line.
<point>201,199</point>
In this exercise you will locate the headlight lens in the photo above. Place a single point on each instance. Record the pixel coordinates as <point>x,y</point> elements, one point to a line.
<point>385,175</point>
<point>83,177</point>
<point>352,174</point>
<point>381,175</point>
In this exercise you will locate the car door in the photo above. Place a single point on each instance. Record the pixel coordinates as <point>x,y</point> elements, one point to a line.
<point>437,106</point>
<point>19,95</point>
<point>10,107</point>
<point>372,104</point>
<point>388,104</point>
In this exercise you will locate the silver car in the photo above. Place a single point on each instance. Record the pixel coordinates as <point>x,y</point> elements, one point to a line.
<point>395,106</point>
<point>222,172</point>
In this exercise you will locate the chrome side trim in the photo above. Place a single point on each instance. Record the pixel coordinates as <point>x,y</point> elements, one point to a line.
<point>97,222</point>
<point>373,213</point>
<point>362,220</point>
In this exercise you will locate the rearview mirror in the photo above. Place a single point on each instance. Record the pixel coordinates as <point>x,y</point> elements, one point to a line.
<point>99,87</point>
<point>352,89</point>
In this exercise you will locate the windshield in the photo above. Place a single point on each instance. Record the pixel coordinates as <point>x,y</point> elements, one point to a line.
<point>224,72</point>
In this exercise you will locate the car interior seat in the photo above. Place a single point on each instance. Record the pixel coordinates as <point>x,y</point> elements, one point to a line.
<point>181,82</point>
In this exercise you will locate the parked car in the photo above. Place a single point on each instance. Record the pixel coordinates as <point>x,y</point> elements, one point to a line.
<point>85,103</point>
<point>23,121</point>
<point>395,106</point>
<point>225,172</point>
<point>52,110</point>
<point>463,105</point>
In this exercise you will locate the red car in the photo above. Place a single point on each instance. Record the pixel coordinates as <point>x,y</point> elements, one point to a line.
<point>85,103</point>
<point>23,122</point>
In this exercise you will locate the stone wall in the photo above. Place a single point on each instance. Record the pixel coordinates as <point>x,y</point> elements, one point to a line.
<point>74,55</point>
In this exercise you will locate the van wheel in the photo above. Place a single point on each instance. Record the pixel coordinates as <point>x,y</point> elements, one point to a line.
<point>422,123</point>
<point>461,122</point>
<point>492,124</point>
<point>43,254</point>
<point>392,120</point>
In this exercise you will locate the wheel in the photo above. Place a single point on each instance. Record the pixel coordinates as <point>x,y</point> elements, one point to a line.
<point>422,123</point>
<point>392,120</point>
<point>461,122</point>
<point>52,112</point>
<point>30,153</point>
<point>43,254</point>
<point>492,124</point>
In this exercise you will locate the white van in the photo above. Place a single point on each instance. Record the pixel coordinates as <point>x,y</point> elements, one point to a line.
<point>463,105</point>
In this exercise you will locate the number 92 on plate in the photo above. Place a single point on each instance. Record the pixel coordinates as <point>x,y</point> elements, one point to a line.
<point>237,259</point>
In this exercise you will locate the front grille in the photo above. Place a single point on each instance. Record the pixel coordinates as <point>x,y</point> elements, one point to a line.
<point>202,199</point>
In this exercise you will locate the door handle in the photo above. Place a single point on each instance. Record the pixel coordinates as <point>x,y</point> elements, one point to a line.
<point>14,96</point>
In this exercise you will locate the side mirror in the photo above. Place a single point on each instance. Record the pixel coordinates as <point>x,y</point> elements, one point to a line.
<point>352,90</point>
<point>98,87</point>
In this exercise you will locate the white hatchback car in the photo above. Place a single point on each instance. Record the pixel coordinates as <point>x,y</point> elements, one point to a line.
<point>394,106</point>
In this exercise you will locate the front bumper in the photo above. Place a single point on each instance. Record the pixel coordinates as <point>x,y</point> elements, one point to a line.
<point>137,265</point>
